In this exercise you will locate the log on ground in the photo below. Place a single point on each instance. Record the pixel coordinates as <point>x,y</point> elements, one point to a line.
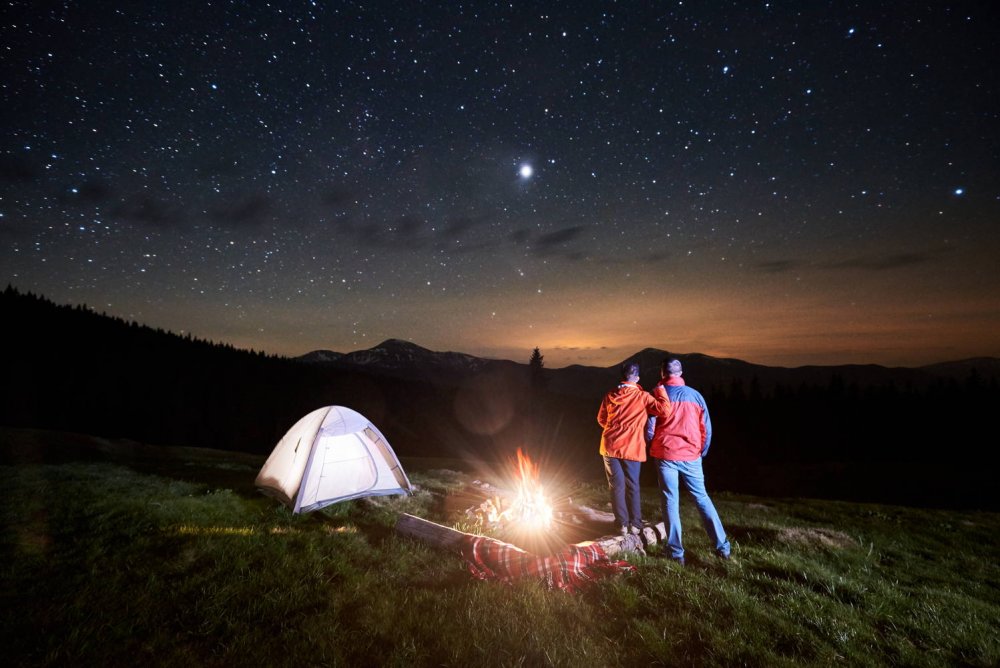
<point>447,538</point>
<point>429,532</point>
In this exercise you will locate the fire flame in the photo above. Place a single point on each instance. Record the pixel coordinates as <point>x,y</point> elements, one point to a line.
<point>530,507</point>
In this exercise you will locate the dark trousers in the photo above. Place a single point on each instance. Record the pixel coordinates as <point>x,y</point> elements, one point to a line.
<point>623,481</point>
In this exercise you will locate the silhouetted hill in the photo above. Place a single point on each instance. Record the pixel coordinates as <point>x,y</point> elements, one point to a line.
<point>403,359</point>
<point>982,368</point>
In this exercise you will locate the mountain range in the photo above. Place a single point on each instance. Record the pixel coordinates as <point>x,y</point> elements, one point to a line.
<point>403,359</point>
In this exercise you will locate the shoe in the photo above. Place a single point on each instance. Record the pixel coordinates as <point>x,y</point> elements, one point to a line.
<point>624,530</point>
<point>678,560</point>
<point>723,551</point>
<point>636,530</point>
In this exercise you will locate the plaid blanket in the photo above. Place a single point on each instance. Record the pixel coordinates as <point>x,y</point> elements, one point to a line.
<point>570,570</point>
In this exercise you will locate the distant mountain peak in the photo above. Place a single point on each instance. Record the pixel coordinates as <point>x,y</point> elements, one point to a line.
<point>406,359</point>
<point>400,345</point>
<point>321,356</point>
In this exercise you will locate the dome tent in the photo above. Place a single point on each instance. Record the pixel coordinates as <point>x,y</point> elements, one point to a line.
<point>332,454</point>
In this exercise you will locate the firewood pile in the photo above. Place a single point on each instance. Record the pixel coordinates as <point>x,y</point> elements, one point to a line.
<point>571,524</point>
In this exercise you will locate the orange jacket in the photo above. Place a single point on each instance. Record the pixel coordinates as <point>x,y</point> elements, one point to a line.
<point>622,417</point>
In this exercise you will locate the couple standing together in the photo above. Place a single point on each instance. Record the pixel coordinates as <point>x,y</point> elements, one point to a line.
<point>674,421</point>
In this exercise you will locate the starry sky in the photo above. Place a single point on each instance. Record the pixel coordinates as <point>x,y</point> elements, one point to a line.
<point>785,183</point>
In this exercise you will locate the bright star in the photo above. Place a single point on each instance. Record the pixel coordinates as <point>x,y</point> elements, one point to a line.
<point>526,171</point>
<point>959,191</point>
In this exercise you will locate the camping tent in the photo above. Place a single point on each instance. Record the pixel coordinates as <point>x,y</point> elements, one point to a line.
<point>330,455</point>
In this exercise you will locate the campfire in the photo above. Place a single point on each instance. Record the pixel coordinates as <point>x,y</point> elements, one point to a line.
<point>523,514</point>
<point>520,531</point>
<point>529,508</point>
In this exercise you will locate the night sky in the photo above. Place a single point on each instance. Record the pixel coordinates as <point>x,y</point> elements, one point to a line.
<point>786,183</point>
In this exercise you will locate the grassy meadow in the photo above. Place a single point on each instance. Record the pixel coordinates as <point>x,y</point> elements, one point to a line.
<point>119,554</point>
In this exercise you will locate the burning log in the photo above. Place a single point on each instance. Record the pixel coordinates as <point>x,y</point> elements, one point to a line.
<point>497,501</point>
<point>450,539</point>
<point>490,513</point>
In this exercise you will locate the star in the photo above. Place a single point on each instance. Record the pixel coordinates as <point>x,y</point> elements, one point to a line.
<point>526,171</point>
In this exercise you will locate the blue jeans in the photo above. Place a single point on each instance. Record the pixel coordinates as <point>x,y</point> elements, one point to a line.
<point>623,480</point>
<point>669,474</point>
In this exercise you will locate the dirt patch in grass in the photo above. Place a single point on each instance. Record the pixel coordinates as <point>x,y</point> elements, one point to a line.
<point>814,537</point>
<point>760,506</point>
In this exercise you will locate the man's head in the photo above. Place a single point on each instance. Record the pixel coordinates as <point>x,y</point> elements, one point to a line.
<point>630,372</point>
<point>671,367</point>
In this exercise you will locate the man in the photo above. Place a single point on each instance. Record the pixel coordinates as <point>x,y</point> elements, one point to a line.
<point>678,445</point>
<point>622,416</point>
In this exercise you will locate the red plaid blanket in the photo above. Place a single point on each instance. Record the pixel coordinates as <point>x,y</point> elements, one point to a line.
<point>571,570</point>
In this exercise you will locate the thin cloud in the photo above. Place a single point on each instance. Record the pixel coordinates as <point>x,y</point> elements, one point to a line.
<point>778,266</point>
<point>338,196</point>
<point>458,226</point>
<point>94,192</point>
<point>411,231</point>
<point>91,193</point>
<point>250,211</point>
<point>559,237</point>
<point>18,169</point>
<point>550,243</point>
<point>886,263</point>
<point>148,210</point>
<point>406,231</point>
<point>520,236</point>
<point>655,257</point>
<point>15,231</point>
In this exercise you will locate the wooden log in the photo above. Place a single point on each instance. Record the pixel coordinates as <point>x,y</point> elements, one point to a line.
<point>447,538</point>
<point>429,532</point>
<point>655,532</point>
<point>618,544</point>
<point>594,515</point>
<point>614,546</point>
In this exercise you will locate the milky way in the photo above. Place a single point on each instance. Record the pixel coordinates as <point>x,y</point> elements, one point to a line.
<point>786,183</point>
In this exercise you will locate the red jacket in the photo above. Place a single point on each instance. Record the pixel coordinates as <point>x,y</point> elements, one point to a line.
<point>622,417</point>
<point>687,434</point>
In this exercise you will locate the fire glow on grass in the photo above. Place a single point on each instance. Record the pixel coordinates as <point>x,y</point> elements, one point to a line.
<point>530,508</point>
